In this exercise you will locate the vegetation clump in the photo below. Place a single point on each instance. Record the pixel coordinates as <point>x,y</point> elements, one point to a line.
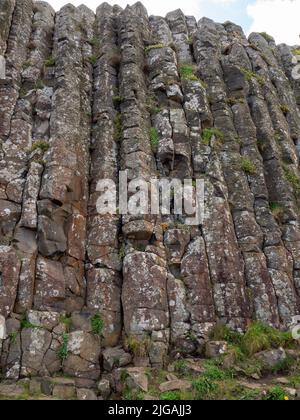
<point>50,62</point>
<point>154,47</point>
<point>209,133</point>
<point>40,145</point>
<point>154,139</point>
<point>291,177</point>
<point>188,72</point>
<point>63,351</point>
<point>267,37</point>
<point>118,128</point>
<point>97,325</point>
<point>248,166</point>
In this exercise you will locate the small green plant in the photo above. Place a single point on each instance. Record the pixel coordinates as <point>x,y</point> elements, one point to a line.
<point>67,321</point>
<point>276,394</point>
<point>39,85</point>
<point>138,346</point>
<point>285,109</point>
<point>209,133</point>
<point>97,325</point>
<point>181,367</point>
<point>63,351</point>
<point>154,47</point>
<point>205,388</point>
<point>250,75</point>
<point>26,65</point>
<point>13,337</point>
<point>267,37</point>
<point>117,99</point>
<point>40,145</point>
<point>50,62</point>
<point>93,59</point>
<point>95,42</point>
<point>291,177</point>
<point>277,211</point>
<point>170,396</point>
<point>154,140</point>
<point>118,127</point>
<point>234,101</point>
<point>152,105</point>
<point>190,40</point>
<point>26,325</point>
<point>296,52</point>
<point>188,72</point>
<point>122,252</point>
<point>248,166</point>
<point>249,394</point>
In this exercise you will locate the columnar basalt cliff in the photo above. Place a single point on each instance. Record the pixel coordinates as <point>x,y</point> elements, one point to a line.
<point>86,95</point>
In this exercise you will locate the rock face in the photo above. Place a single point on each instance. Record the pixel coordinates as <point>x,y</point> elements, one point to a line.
<point>86,95</point>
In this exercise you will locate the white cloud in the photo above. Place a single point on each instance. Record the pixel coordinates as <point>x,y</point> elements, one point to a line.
<point>279,18</point>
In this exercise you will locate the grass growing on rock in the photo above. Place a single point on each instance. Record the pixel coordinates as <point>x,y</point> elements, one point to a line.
<point>97,325</point>
<point>188,72</point>
<point>267,37</point>
<point>138,346</point>
<point>154,47</point>
<point>50,62</point>
<point>154,140</point>
<point>248,166</point>
<point>40,145</point>
<point>291,177</point>
<point>209,133</point>
<point>63,349</point>
<point>277,211</point>
<point>118,127</point>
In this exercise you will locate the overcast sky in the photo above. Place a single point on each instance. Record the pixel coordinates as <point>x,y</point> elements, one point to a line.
<point>280,18</point>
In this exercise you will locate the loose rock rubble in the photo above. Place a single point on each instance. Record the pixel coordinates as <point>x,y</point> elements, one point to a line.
<point>84,295</point>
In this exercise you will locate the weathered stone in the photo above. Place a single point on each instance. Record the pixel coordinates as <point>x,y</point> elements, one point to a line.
<point>115,357</point>
<point>104,388</point>
<point>175,385</point>
<point>64,392</point>
<point>215,349</point>
<point>271,358</point>
<point>86,395</point>
<point>137,379</point>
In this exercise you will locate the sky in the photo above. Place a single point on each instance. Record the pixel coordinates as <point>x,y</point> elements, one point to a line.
<point>279,18</point>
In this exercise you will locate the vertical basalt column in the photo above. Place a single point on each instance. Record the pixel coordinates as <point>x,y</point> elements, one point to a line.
<point>6,13</point>
<point>248,221</point>
<point>277,129</point>
<point>104,259</point>
<point>15,136</point>
<point>226,184</point>
<point>144,293</point>
<point>35,103</point>
<point>62,205</point>
<point>287,57</point>
<point>184,107</point>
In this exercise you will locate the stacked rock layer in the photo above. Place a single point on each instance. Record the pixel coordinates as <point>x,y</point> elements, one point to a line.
<point>83,96</point>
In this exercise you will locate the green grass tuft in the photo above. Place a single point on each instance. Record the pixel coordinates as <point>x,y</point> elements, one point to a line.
<point>40,145</point>
<point>63,349</point>
<point>209,133</point>
<point>154,139</point>
<point>97,325</point>
<point>154,47</point>
<point>50,62</point>
<point>248,166</point>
